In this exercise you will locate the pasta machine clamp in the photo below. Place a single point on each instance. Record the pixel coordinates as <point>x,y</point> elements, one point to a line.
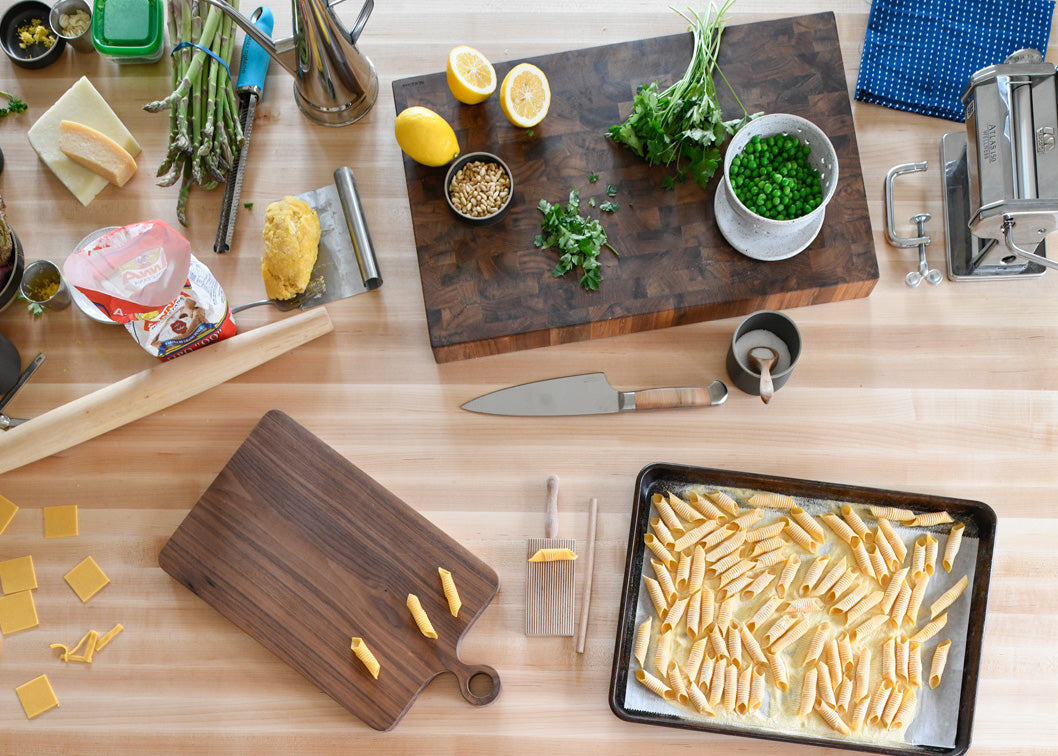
<point>1001,175</point>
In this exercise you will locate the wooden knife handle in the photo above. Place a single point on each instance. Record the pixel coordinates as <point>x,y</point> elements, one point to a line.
<point>155,389</point>
<point>551,521</point>
<point>664,398</point>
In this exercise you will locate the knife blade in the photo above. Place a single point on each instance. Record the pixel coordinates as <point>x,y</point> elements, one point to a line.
<point>253,67</point>
<point>589,394</point>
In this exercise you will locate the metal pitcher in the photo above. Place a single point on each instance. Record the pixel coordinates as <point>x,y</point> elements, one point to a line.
<point>334,83</point>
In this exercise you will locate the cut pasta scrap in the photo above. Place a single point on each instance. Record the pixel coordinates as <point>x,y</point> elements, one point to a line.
<point>448,587</point>
<point>363,653</point>
<point>108,636</point>
<point>422,621</point>
<point>553,555</point>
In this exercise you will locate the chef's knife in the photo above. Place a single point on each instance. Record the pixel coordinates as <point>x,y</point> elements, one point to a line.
<point>590,394</point>
<point>253,67</point>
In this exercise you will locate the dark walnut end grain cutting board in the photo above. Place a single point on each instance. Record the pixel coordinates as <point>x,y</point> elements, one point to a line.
<point>303,551</point>
<point>489,290</point>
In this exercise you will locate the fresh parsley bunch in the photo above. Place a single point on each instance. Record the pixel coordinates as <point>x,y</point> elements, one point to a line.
<point>683,126</point>
<point>578,239</point>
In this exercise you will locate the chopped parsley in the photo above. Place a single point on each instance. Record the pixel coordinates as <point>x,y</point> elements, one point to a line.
<point>579,240</point>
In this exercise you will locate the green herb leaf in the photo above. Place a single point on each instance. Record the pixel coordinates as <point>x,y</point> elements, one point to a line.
<point>14,105</point>
<point>611,190</point>
<point>593,178</point>
<point>530,133</point>
<point>609,206</point>
<point>683,125</point>
<point>668,182</point>
<point>578,239</point>
<point>248,205</point>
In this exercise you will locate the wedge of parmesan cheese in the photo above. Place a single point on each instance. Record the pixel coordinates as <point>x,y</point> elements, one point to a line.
<point>81,103</point>
<point>96,151</point>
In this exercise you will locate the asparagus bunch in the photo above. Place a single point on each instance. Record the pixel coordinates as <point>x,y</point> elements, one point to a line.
<point>204,130</point>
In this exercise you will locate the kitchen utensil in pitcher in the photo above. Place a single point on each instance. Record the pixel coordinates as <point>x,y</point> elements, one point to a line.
<point>764,358</point>
<point>334,83</point>
<point>549,584</point>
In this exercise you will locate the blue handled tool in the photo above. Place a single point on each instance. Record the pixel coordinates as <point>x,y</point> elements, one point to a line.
<point>253,67</point>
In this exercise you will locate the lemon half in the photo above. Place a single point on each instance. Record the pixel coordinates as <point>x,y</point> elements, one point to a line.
<point>425,136</point>
<point>525,95</point>
<point>470,75</point>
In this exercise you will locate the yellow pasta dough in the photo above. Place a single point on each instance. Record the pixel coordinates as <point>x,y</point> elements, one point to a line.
<point>7,512</point>
<point>553,555</point>
<point>363,653</point>
<point>86,579</point>
<point>36,696</point>
<point>60,521</point>
<point>17,574</point>
<point>448,586</point>
<point>420,616</point>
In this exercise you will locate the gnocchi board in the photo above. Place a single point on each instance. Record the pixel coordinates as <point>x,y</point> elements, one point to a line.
<point>488,290</point>
<point>951,718</point>
<point>302,550</point>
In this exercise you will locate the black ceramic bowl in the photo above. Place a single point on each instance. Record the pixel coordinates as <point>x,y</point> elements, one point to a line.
<point>36,55</point>
<point>481,157</point>
<point>11,279</point>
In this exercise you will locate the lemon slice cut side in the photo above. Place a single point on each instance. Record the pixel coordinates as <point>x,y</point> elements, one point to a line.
<point>525,95</point>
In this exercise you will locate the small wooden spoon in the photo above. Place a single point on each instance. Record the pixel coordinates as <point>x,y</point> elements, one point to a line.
<point>764,359</point>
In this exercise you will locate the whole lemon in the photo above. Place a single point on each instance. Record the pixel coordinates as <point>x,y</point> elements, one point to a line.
<point>425,136</point>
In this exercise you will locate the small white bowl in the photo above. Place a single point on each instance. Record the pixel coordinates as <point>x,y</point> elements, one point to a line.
<point>766,238</point>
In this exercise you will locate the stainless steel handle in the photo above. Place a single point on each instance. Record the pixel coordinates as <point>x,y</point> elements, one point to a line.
<point>1008,237</point>
<point>890,221</point>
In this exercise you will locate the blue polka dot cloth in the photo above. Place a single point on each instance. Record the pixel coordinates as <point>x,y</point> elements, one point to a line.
<point>918,55</point>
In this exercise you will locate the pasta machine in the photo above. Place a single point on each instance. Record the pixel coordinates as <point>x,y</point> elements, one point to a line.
<point>1001,174</point>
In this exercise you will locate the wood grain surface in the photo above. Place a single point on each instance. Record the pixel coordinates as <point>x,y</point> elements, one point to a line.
<point>946,390</point>
<point>490,290</point>
<point>303,551</point>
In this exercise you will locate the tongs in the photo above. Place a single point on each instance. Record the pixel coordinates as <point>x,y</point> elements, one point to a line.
<point>10,422</point>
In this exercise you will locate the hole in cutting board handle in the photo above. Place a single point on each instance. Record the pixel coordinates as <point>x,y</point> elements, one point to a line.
<point>479,684</point>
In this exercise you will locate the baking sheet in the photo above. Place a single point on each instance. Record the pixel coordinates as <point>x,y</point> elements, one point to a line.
<point>943,716</point>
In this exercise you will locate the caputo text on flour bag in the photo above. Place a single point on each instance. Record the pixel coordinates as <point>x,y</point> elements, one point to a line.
<point>144,276</point>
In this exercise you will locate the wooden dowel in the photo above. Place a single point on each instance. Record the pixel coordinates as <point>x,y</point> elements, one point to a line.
<point>582,633</point>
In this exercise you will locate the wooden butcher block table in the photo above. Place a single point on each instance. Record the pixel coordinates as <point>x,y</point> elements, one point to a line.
<point>489,290</point>
<point>945,391</point>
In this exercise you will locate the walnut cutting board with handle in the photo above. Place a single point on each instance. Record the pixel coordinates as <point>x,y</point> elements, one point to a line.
<point>488,290</point>
<point>302,550</point>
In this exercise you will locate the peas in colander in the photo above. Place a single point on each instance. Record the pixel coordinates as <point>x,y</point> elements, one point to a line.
<point>773,177</point>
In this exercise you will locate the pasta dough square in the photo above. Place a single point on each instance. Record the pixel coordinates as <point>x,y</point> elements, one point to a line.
<point>17,612</point>
<point>7,511</point>
<point>61,521</point>
<point>87,579</point>
<point>17,575</point>
<point>36,696</point>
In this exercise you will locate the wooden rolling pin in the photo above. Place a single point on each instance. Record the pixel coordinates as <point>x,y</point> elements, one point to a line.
<point>155,389</point>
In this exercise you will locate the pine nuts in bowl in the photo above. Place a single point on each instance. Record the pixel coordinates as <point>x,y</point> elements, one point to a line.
<point>479,188</point>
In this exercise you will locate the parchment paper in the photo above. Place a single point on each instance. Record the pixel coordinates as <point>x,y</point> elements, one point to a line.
<point>937,711</point>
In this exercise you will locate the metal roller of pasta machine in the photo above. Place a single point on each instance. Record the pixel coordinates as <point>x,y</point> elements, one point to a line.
<point>1001,174</point>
